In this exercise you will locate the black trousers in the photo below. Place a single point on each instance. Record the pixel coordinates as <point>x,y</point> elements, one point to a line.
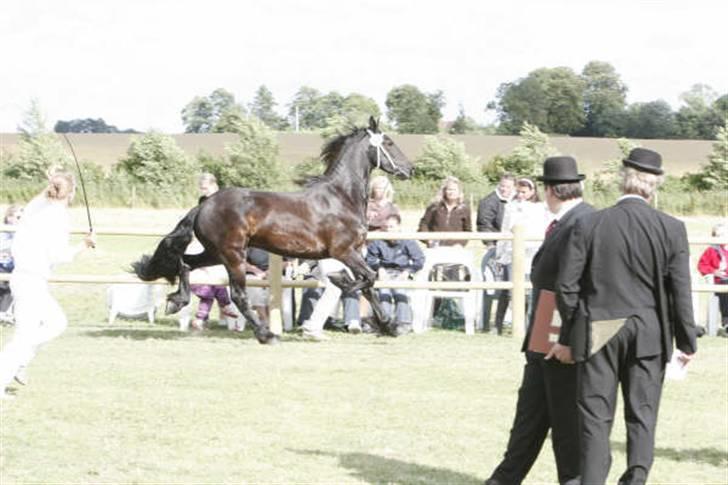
<point>641,380</point>
<point>546,400</point>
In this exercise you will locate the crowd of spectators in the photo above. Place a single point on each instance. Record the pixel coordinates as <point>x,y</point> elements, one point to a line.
<point>513,202</point>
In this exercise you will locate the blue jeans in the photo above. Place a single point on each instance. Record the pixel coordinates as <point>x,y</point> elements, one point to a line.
<point>310,298</point>
<point>402,309</point>
<point>503,296</point>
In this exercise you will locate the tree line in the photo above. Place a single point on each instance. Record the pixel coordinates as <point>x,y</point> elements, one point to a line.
<point>556,100</point>
<point>156,172</point>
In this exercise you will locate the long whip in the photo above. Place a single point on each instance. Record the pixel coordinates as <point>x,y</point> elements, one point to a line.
<point>83,186</point>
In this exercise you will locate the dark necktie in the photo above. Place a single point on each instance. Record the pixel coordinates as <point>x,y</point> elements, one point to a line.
<point>551,227</point>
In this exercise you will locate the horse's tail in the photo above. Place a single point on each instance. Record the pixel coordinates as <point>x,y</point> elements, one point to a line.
<point>166,260</point>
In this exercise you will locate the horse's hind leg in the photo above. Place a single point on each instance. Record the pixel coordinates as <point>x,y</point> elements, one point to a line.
<point>180,298</point>
<point>365,278</point>
<point>236,273</point>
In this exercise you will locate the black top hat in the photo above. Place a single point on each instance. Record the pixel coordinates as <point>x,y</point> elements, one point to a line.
<point>560,170</point>
<point>644,160</point>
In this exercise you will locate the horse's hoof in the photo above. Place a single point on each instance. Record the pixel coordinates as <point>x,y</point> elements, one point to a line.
<point>172,307</point>
<point>267,338</point>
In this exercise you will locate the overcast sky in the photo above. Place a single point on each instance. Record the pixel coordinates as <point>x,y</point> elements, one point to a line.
<point>136,63</point>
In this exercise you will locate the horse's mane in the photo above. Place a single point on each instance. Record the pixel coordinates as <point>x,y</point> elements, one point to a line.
<point>330,155</point>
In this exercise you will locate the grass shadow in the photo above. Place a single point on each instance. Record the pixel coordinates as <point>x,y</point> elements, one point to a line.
<point>710,456</point>
<point>166,334</point>
<point>378,469</point>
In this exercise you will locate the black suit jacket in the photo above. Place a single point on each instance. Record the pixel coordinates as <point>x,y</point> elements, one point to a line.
<point>548,258</point>
<point>628,261</point>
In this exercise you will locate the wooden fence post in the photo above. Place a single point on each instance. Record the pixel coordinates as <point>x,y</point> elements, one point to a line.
<point>275,277</point>
<point>518,276</point>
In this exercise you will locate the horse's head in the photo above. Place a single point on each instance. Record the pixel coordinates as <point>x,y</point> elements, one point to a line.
<point>385,154</point>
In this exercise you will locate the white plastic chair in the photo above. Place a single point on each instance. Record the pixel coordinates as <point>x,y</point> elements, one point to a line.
<point>713,317</point>
<point>422,300</point>
<point>132,300</point>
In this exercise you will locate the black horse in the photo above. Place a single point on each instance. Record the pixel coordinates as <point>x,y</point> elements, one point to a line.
<point>325,220</point>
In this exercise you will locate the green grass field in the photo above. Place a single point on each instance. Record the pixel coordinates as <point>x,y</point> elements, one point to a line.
<point>141,403</point>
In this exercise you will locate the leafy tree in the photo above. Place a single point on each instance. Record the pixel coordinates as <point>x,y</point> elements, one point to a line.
<point>525,159</point>
<point>650,120</point>
<point>550,98</point>
<point>463,124</point>
<point>604,100</point>
<point>38,149</point>
<point>714,175</point>
<point>413,111</point>
<point>263,108</point>
<point>252,161</point>
<point>229,122</point>
<point>442,156</point>
<point>87,125</point>
<point>696,119</point>
<point>156,159</point>
<point>306,101</point>
<point>355,112</point>
<point>203,113</point>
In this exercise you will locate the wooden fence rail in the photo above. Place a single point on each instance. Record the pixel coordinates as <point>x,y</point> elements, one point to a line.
<point>518,285</point>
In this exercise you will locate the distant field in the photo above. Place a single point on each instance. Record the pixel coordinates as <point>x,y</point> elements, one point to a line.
<point>680,155</point>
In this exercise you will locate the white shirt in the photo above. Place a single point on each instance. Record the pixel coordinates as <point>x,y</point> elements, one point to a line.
<point>42,238</point>
<point>533,216</point>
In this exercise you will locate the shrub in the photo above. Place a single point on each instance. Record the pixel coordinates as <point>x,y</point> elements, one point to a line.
<point>252,161</point>
<point>714,175</point>
<point>310,167</point>
<point>156,159</point>
<point>442,156</point>
<point>525,160</point>
<point>606,180</point>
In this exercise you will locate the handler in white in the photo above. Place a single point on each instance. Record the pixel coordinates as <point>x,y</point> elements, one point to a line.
<point>42,240</point>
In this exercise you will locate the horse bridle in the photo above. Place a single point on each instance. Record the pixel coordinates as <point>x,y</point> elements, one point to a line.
<point>377,141</point>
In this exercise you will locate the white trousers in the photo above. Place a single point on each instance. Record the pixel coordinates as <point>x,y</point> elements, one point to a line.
<point>330,298</point>
<point>38,319</point>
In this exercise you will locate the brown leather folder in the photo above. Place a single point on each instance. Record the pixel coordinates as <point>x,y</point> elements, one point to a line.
<point>546,324</point>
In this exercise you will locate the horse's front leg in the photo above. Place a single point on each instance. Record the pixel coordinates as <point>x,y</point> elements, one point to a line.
<point>238,295</point>
<point>364,281</point>
<point>180,298</point>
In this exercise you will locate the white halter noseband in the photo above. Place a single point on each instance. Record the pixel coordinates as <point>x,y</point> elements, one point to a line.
<point>377,141</point>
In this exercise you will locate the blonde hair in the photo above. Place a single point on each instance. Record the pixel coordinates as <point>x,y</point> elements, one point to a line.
<point>386,185</point>
<point>640,183</point>
<point>207,177</point>
<point>441,193</point>
<point>60,186</point>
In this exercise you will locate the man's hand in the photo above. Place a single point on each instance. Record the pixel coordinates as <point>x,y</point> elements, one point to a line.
<point>561,352</point>
<point>403,276</point>
<point>90,240</point>
<point>684,358</point>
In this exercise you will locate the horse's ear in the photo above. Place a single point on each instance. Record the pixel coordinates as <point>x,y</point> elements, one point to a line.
<point>373,124</point>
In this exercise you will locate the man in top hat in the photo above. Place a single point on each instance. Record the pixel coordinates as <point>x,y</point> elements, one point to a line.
<point>624,295</point>
<point>547,397</point>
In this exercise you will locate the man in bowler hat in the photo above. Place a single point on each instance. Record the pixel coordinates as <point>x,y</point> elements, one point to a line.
<point>624,296</point>
<point>547,397</point>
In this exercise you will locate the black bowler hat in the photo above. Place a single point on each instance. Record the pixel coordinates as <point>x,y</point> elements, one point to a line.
<point>644,160</point>
<point>560,170</point>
